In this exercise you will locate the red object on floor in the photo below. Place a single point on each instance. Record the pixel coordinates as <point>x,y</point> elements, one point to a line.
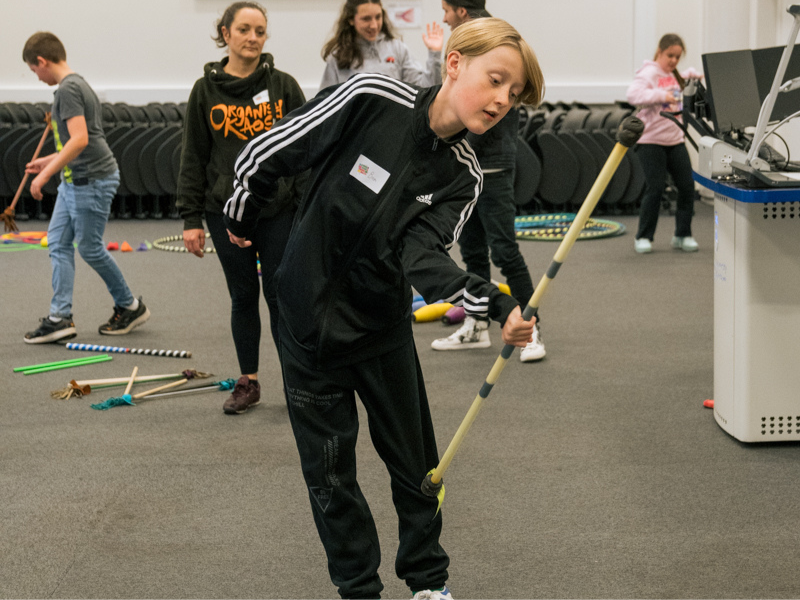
<point>112,246</point>
<point>708,403</point>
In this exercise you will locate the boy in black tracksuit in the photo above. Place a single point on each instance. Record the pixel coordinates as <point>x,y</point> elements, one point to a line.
<point>392,183</point>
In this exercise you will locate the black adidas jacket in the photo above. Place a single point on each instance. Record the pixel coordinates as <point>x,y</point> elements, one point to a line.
<point>386,201</point>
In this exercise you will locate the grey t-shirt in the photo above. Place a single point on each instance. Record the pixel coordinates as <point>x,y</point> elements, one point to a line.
<point>74,98</point>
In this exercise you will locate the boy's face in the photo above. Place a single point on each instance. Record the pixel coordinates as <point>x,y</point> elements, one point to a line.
<point>42,71</point>
<point>486,87</point>
<point>454,16</point>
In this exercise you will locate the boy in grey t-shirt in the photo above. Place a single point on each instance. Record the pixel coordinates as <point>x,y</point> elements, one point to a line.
<point>89,180</point>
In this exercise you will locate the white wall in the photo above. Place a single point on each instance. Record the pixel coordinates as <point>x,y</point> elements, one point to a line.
<point>138,51</point>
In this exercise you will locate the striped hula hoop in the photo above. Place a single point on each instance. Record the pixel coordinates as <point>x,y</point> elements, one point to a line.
<point>163,244</point>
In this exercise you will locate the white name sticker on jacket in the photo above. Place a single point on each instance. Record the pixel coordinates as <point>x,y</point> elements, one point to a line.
<point>370,174</point>
<point>261,97</point>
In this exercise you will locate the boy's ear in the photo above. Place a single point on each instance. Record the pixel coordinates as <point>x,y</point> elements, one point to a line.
<point>454,62</point>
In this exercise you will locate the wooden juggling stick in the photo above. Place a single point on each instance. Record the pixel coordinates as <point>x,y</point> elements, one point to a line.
<point>8,214</point>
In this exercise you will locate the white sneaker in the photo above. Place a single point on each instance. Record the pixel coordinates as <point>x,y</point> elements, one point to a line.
<point>642,246</point>
<point>687,244</point>
<point>441,594</point>
<point>472,334</point>
<point>535,349</point>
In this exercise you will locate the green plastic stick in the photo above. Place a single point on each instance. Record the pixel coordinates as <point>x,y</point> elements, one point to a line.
<point>98,359</point>
<point>58,362</point>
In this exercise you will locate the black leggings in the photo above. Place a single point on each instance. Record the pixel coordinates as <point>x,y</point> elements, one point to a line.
<point>656,162</point>
<point>241,273</point>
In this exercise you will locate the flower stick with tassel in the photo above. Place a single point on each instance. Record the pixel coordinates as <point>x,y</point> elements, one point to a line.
<point>121,401</point>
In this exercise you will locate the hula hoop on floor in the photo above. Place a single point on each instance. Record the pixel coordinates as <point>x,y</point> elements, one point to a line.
<point>553,228</point>
<point>163,244</point>
<point>23,240</point>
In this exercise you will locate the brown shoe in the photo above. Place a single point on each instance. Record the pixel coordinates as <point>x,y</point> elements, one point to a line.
<point>246,393</point>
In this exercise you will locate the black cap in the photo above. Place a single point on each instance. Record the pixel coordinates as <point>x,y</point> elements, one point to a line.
<point>478,6</point>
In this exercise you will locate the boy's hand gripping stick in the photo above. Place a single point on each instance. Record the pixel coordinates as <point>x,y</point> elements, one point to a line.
<point>628,133</point>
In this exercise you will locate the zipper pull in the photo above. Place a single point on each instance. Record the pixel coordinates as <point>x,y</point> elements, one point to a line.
<point>435,143</point>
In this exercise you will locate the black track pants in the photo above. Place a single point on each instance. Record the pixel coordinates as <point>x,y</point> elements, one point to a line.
<point>323,414</point>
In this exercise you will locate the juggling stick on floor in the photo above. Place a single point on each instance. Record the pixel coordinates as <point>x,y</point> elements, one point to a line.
<point>628,133</point>
<point>222,386</point>
<point>126,396</point>
<point>144,351</point>
<point>122,401</point>
<point>85,386</point>
<point>8,214</point>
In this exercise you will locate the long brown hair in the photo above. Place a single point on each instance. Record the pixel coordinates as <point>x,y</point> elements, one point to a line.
<point>667,41</point>
<point>343,44</point>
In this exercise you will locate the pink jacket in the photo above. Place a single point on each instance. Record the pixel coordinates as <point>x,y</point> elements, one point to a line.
<point>647,93</point>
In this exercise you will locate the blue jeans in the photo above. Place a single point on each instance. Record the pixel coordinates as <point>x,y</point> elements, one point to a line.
<point>80,215</point>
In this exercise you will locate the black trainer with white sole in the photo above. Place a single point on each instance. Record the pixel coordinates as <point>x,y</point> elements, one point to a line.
<point>48,331</point>
<point>123,320</point>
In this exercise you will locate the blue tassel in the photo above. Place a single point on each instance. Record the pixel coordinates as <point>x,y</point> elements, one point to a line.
<point>112,402</point>
<point>225,385</point>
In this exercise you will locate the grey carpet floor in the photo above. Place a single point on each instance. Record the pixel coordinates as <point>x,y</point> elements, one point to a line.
<point>596,473</point>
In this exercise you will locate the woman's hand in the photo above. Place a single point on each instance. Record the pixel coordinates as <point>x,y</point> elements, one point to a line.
<point>195,241</point>
<point>433,37</point>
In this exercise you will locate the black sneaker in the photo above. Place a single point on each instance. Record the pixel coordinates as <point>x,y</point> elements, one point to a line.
<point>123,320</point>
<point>246,393</point>
<point>51,332</point>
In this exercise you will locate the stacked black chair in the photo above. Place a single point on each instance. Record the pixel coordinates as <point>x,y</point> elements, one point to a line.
<point>527,174</point>
<point>560,167</point>
<point>145,140</point>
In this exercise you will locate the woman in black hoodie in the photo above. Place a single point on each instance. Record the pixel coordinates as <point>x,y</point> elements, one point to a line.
<point>238,98</point>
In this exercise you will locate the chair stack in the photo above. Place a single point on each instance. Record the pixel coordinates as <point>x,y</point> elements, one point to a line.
<point>565,146</point>
<point>145,140</point>
<point>561,149</point>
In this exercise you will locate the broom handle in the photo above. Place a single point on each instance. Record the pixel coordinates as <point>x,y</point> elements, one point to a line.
<point>35,156</point>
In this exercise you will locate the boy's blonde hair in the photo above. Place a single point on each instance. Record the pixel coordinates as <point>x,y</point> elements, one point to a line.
<point>479,36</point>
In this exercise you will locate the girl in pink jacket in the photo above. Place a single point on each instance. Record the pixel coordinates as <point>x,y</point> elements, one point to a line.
<point>656,87</point>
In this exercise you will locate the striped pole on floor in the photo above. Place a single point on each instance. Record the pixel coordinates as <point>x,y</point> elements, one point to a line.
<point>146,352</point>
<point>629,132</point>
